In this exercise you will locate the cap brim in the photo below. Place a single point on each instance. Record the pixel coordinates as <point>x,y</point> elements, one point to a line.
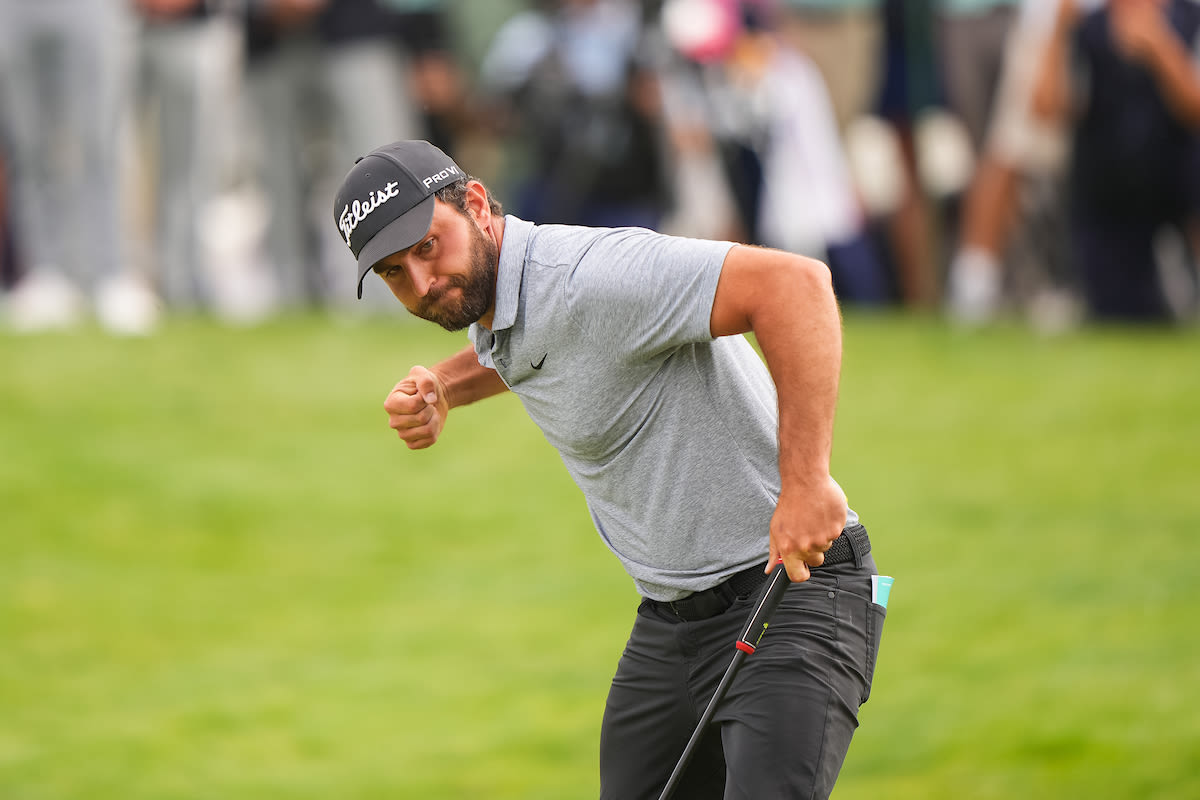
<point>399,234</point>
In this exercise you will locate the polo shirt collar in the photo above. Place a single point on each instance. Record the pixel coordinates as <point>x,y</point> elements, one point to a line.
<point>512,267</point>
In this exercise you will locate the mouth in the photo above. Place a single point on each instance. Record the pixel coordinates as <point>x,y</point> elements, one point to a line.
<point>443,305</point>
<point>437,295</point>
<point>440,290</point>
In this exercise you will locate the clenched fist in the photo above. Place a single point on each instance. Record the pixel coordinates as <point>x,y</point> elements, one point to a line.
<point>806,521</point>
<point>417,408</point>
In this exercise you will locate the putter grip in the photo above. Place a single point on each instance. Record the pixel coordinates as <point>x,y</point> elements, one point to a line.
<point>757,626</point>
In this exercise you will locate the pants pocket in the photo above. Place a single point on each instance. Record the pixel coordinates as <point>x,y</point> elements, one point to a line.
<point>813,607</point>
<point>876,614</point>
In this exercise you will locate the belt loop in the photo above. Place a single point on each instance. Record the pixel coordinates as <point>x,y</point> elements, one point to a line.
<point>855,545</point>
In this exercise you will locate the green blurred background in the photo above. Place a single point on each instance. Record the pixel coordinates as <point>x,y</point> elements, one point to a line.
<point>221,576</point>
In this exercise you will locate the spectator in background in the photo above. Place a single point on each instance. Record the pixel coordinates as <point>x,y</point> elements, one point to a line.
<point>8,257</point>
<point>690,35</point>
<point>910,90</point>
<point>309,64</point>
<point>844,40</point>
<point>571,88</point>
<point>784,157</point>
<point>63,96</point>
<point>1015,198</point>
<point>187,90</point>
<point>1135,157</point>
<point>972,35</point>
<point>280,68</point>
<point>439,87</point>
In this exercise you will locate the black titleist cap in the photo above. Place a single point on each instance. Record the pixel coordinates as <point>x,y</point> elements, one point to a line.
<point>386,201</point>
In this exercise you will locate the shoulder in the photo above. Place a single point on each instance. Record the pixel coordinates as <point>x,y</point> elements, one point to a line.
<point>612,248</point>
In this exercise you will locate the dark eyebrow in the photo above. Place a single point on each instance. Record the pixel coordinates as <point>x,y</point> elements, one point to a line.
<point>380,266</point>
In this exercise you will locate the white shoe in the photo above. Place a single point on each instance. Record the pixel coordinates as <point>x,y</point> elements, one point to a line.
<point>974,289</point>
<point>1055,311</point>
<point>44,300</point>
<point>126,307</point>
<point>232,230</point>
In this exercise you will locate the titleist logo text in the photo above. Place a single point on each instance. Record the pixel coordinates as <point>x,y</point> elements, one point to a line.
<point>354,213</point>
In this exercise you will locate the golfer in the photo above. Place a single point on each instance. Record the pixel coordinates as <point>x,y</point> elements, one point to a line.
<point>702,467</point>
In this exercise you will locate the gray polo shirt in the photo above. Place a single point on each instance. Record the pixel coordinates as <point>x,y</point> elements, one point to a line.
<point>671,435</point>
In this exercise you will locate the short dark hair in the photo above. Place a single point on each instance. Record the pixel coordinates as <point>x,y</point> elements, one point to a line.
<point>455,194</point>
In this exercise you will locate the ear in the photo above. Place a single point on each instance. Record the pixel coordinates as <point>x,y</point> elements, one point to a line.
<point>477,203</point>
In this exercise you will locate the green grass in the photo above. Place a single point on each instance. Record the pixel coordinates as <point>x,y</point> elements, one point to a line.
<point>222,577</point>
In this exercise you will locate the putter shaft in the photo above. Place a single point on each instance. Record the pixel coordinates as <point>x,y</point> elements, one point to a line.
<point>744,646</point>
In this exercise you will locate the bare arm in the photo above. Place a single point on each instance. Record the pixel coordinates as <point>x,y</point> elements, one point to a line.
<point>788,303</point>
<point>165,9</point>
<point>1144,36</point>
<point>418,405</point>
<point>1052,90</point>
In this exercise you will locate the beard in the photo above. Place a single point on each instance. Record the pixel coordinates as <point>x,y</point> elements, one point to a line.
<point>477,289</point>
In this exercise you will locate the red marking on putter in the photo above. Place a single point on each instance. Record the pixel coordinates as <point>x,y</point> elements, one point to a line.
<point>745,647</point>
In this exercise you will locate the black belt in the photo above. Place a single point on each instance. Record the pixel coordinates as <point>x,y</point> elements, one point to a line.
<point>852,545</point>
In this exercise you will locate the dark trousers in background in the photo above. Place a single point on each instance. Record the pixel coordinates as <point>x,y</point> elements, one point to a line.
<point>785,726</point>
<point>8,253</point>
<point>1119,271</point>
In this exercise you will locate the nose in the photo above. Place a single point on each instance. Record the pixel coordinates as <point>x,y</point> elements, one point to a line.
<point>421,278</point>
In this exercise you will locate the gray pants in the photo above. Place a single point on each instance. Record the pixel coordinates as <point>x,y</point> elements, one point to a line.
<point>972,52</point>
<point>785,726</point>
<point>187,79</point>
<point>303,93</point>
<point>63,89</point>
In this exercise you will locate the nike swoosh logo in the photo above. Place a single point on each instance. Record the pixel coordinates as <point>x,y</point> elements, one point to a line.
<point>538,365</point>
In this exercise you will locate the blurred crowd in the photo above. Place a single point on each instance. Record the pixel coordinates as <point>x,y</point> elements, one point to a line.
<point>981,159</point>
